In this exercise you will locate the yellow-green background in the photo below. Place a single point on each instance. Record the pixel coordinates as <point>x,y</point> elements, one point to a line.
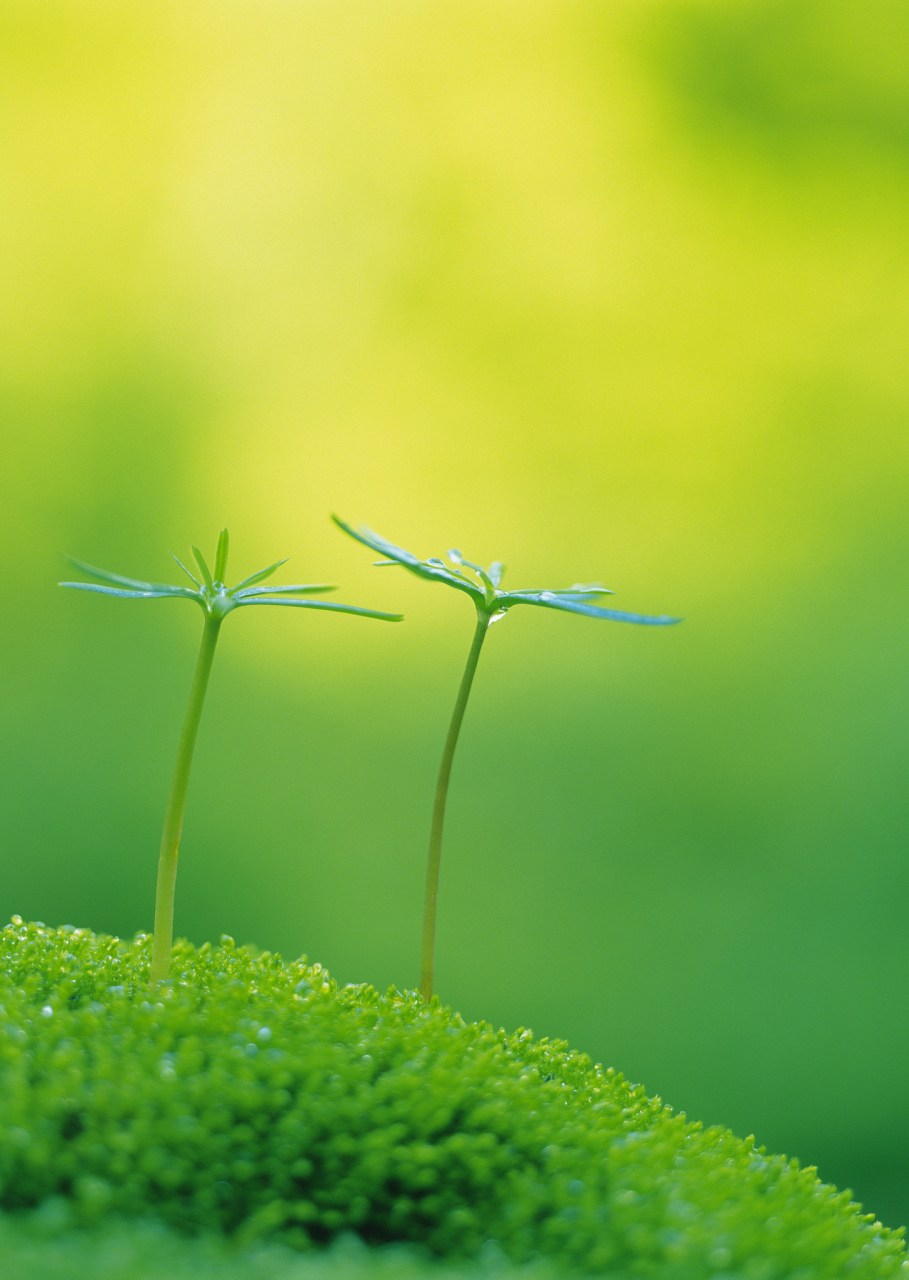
<point>609,290</point>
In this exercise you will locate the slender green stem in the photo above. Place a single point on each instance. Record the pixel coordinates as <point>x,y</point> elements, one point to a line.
<point>176,806</point>
<point>427,953</point>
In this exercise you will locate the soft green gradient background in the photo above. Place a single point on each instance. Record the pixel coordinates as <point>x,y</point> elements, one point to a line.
<point>610,290</point>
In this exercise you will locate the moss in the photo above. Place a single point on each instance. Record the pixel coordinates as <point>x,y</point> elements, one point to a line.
<point>40,1246</point>
<point>255,1098</point>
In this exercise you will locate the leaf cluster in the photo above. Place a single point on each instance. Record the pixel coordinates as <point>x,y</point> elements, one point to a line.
<point>483,585</point>
<point>209,589</point>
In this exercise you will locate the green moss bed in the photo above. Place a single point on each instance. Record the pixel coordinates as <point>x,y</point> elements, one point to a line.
<point>249,1112</point>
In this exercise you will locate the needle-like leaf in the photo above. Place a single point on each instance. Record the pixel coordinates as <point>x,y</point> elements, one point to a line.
<point>572,604</point>
<point>434,560</point>
<point>432,571</point>
<point>496,569</point>
<point>321,604</point>
<point>221,556</point>
<point>104,575</point>
<point>122,591</point>
<point>369,538</point>
<point>456,558</point>
<point>270,591</point>
<point>257,577</point>
<point>203,568</point>
<point>189,575</point>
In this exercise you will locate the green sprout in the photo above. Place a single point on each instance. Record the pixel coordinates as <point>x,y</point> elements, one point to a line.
<point>216,601</point>
<point>491,605</point>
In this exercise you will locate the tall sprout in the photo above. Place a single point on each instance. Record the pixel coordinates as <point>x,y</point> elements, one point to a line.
<point>217,601</point>
<point>483,587</point>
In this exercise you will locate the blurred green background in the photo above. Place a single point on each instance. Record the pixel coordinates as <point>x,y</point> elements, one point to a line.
<point>610,290</point>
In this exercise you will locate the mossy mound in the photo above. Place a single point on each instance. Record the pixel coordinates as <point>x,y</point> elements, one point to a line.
<point>40,1246</point>
<point>255,1098</point>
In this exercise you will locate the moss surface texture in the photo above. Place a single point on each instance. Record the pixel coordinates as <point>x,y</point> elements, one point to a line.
<point>254,1098</point>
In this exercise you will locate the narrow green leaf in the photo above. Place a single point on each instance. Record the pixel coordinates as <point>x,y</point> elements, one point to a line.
<point>518,597</point>
<point>322,604</point>
<point>221,556</point>
<point>186,571</point>
<point>496,570</point>
<point>440,564</point>
<point>455,556</point>
<point>160,588</point>
<point>203,568</point>
<point>257,577</point>
<point>554,600</point>
<point>432,572</point>
<point>371,539</point>
<point>271,591</point>
<point>121,591</point>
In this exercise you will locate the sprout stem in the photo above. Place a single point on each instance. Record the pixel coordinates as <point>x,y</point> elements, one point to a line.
<point>427,953</point>
<point>176,806</point>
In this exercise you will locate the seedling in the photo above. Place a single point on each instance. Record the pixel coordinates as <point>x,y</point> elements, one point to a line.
<point>216,601</point>
<point>491,605</point>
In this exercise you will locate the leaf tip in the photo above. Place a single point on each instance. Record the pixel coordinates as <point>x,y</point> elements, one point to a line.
<point>203,567</point>
<point>221,555</point>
